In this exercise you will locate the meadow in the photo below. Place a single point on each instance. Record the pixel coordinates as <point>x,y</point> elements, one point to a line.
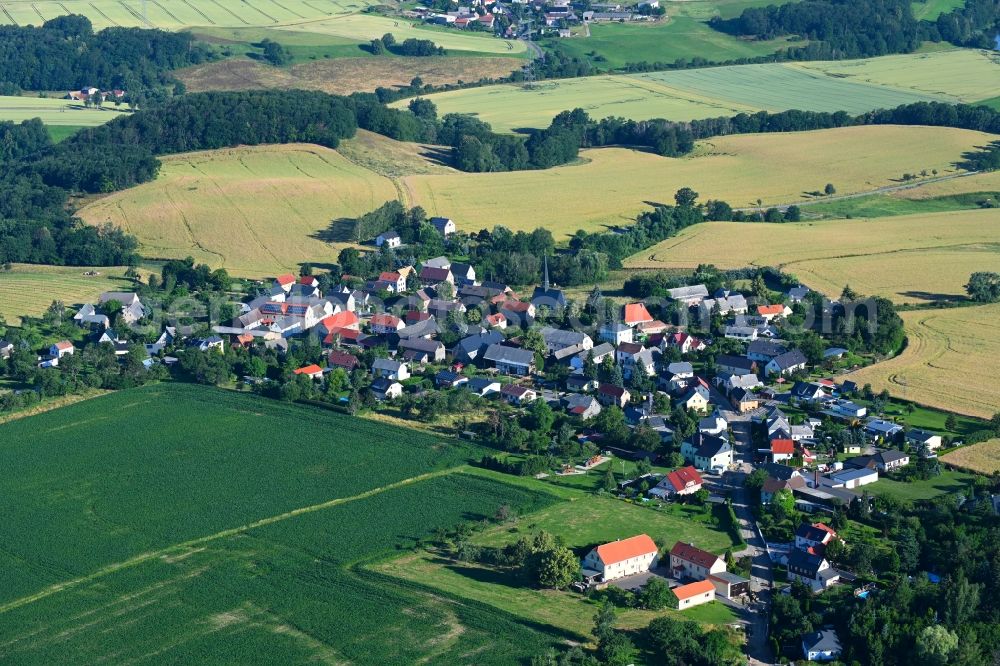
<point>983,458</point>
<point>855,86</point>
<point>564,199</point>
<point>929,10</point>
<point>57,112</point>
<point>950,360</point>
<point>29,289</point>
<point>911,491</point>
<point>216,531</point>
<point>255,211</point>
<point>906,258</point>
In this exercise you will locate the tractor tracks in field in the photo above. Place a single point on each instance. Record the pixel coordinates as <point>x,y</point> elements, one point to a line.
<point>191,544</point>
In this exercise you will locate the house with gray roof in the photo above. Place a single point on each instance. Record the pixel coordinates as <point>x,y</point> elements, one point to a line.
<point>689,296</point>
<point>557,339</point>
<point>822,645</point>
<point>510,360</point>
<point>390,369</point>
<point>786,364</point>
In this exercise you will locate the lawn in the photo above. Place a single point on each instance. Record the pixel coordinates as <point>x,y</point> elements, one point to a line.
<point>854,86</point>
<point>179,14</point>
<point>256,211</point>
<point>130,535</point>
<point>983,457</point>
<point>56,112</point>
<point>565,199</point>
<point>911,491</point>
<point>907,258</point>
<point>929,10</point>
<point>28,289</point>
<point>949,362</point>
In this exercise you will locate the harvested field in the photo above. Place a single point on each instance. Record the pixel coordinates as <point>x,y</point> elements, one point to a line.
<point>949,351</point>
<point>29,289</point>
<point>342,76</point>
<point>983,458</point>
<point>255,211</point>
<point>52,111</point>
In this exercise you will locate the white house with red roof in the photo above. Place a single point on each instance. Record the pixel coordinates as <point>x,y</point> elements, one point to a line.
<point>618,559</point>
<point>384,323</point>
<point>683,481</point>
<point>683,342</point>
<point>311,371</point>
<point>782,449</point>
<point>395,279</point>
<point>285,282</point>
<point>814,537</point>
<point>61,348</point>
<point>689,561</point>
<point>636,313</point>
<point>694,594</point>
<point>771,312</point>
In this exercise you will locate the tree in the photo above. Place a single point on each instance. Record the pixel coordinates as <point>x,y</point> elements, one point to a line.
<point>656,595</point>
<point>616,650</point>
<point>610,484</point>
<point>984,287</point>
<point>829,189</point>
<point>685,197</point>
<point>557,568</point>
<point>951,423</point>
<point>935,644</point>
<point>604,621</point>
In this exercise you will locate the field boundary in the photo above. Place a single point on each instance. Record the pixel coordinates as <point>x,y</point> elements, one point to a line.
<point>232,531</point>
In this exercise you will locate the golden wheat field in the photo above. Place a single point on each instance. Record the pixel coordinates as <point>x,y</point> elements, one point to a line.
<point>908,258</point>
<point>614,184</point>
<point>983,457</point>
<point>977,182</point>
<point>256,211</point>
<point>950,362</point>
<point>29,289</point>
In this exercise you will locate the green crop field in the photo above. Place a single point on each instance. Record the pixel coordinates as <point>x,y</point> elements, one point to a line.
<point>907,258</point>
<point>255,211</point>
<point>187,524</point>
<point>60,112</point>
<point>28,289</point>
<point>614,184</point>
<point>853,86</point>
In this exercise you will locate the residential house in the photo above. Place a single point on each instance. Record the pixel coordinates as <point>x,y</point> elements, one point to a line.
<point>779,477</point>
<point>518,395</point>
<point>386,389</point>
<point>429,275</point>
<point>683,342</point>
<point>797,294</point>
<point>923,441</point>
<point>444,225</point>
<point>742,333</point>
<point>517,313</point>
<point>464,273</point>
<point>388,239</point>
<point>883,461</point>
<point>311,371</point>
<point>557,339</point>
<point>771,312</point>
<point>763,350</point>
<point>615,333</point>
<point>727,364</point>
<point>395,370</point>
<point>611,561</point>
<point>694,594</point>
<point>690,562</point>
<point>786,364</point>
<point>807,392</point>
<point>678,375</point>
<point>342,360</point>
<point>814,536</point>
<point>437,262</point>
<point>6,349</point>
<point>822,645</point>
<point>707,452</point>
<point>636,313</point>
<point>713,425</point>
<point>482,386</point>
<point>582,406</point>
<point>689,296</point>
<point>782,449</point>
<point>729,585</point>
<point>609,394</point>
<point>395,279</point>
<point>683,481</point>
<point>696,398</point>
<point>497,320</point>
<point>580,384</point>
<point>812,569</point>
<point>88,317</point>
<point>849,410</point>
<point>885,431</point>
<point>421,350</point>
<point>510,360</point>
<point>650,328</point>
<point>634,357</point>
<point>132,308</point>
<point>61,348</point>
<point>746,382</point>
<point>384,323</point>
<point>724,305</point>
<point>470,348</point>
<point>447,379</point>
<point>743,401</point>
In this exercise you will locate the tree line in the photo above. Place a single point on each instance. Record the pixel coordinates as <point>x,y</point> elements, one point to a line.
<point>66,54</point>
<point>836,29</point>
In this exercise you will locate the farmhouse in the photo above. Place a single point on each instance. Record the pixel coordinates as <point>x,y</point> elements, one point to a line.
<point>384,323</point>
<point>726,304</point>
<point>763,350</point>
<point>60,349</point>
<point>694,594</point>
<point>557,339</point>
<point>421,350</point>
<point>618,559</point>
<point>132,308</point>
<point>727,364</point>
<point>689,562</point>
<point>683,481</point>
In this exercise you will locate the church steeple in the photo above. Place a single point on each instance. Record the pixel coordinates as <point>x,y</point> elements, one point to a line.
<point>545,283</point>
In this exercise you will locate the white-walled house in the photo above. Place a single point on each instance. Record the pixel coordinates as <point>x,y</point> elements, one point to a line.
<point>689,561</point>
<point>618,559</point>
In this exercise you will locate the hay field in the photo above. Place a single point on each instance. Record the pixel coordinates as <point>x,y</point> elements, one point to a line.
<point>255,211</point>
<point>342,76</point>
<point>61,112</point>
<point>855,86</point>
<point>178,14</point>
<point>950,361</point>
<point>29,289</point>
<point>978,182</point>
<point>907,258</point>
<point>983,457</point>
<point>614,184</point>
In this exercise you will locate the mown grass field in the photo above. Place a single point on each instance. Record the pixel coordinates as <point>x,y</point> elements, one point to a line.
<point>885,205</point>
<point>854,86</point>
<point>908,258</point>
<point>255,211</point>
<point>614,184</point>
<point>949,362</point>
<point>911,491</point>
<point>57,112</point>
<point>178,14</point>
<point>929,10</point>
<point>29,289</point>
<point>983,457</point>
<point>186,524</point>
<point>583,521</point>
